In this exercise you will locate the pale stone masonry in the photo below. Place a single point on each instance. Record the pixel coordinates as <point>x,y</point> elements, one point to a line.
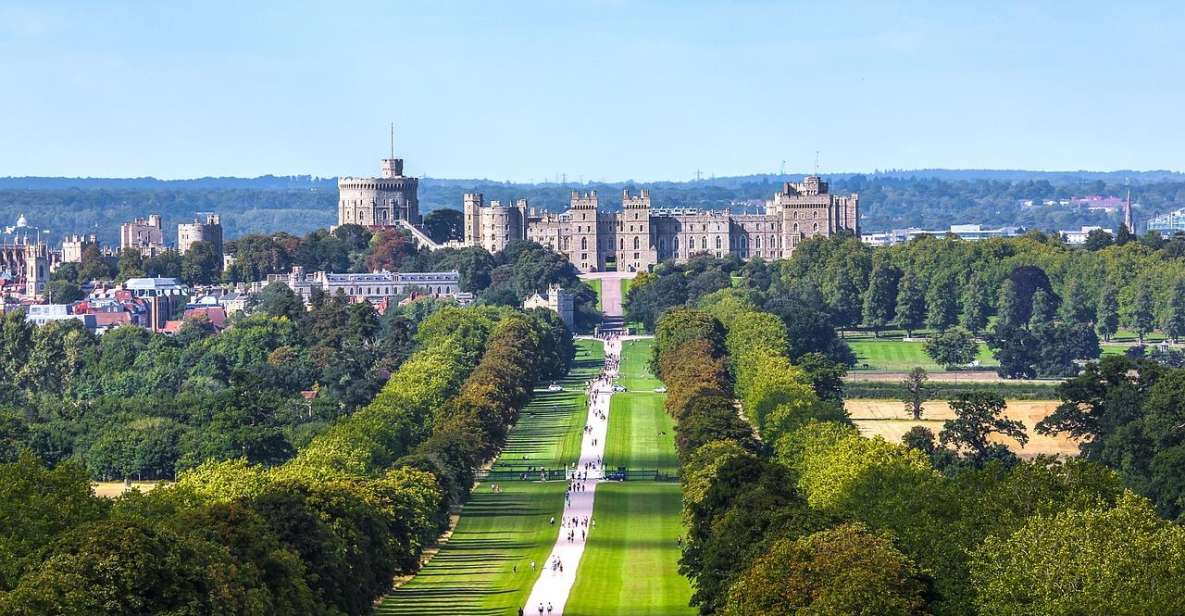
<point>207,229</point>
<point>632,240</point>
<point>381,201</point>
<point>639,236</point>
<point>145,235</point>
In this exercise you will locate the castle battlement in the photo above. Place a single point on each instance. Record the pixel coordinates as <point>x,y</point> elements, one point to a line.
<point>639,237</point>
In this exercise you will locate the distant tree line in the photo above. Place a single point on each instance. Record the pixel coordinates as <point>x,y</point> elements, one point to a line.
<point>929,199</point>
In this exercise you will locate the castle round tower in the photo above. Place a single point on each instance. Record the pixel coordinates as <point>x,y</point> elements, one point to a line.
<point>381,201</point>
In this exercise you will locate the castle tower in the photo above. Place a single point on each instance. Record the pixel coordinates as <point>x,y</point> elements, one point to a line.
<point>582,211</point>
<point>473,204</point>
<point>381,201</point>
<point>635,244</point>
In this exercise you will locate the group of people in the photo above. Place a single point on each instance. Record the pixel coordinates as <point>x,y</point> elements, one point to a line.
<point>581,473</point>
<point>541,612</point>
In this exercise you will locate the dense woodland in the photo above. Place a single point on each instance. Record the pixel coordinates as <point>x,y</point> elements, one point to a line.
<point>132,404</point>
<point>789,510</point>
<point>323,532</point>
<point>930,199</point>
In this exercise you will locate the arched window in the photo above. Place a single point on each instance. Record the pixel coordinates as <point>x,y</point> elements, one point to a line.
<point>703,241</point>
<point>584,243</point>
<point>635,243</point>
<point>758,245</point>
<point>796,227</point>
<point>675,244</point>
<point>717,242</point>
<point>816,227</point>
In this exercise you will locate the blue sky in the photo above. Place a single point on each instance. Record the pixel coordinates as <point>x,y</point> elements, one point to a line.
<point>592,89</point>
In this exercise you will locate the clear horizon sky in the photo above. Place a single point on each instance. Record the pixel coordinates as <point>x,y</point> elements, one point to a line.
<point>595,89</point>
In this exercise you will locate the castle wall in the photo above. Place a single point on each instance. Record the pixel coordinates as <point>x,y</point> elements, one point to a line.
<point>639,237</point>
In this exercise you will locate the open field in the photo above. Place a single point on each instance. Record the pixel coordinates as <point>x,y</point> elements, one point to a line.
<point>895,355</point>
<point>630,567</point>
<point>889,419</point>
<point>473,574</point>
<point>112,489</point>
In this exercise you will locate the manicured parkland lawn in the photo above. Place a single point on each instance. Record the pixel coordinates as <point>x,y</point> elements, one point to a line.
<point>630,567</point>
<point>635,372</point>
<point>625,287</point>
<point>474,572</point>
<point>890,355</point>
<point>641,434</point>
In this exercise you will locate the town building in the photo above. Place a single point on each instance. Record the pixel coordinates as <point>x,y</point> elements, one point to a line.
<point>143,234</point>
<point>639,236</point>
<point>40,314</point>
<point>375,286</point>
<point>963,232</point>
<point>557,300</point>
<point>1078,237</point>
<point>202,229</point>
<point>74,245</point>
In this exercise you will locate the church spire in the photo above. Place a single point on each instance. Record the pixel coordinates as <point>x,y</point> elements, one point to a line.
<point>1127,214</point>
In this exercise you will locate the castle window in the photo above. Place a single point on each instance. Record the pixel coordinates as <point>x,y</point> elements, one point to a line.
<point>584,243</point>
<point>621,244</point>
<point>635,245</point>
<point>816,229</point>
<point>717,244</point>
<point>703,242</point>
<point>675,244</point>
<point>796,226</point>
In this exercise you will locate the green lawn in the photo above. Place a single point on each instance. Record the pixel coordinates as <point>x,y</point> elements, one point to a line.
<point>474,572</point>
<point>630,567</point>
<point>625,287</point>
<point>900,356</point>
<point>641,434</point>
<point>635,372</point>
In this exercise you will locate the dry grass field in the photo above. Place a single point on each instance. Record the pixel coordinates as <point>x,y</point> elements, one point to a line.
<point>889,419</point>
<point>111,489</point>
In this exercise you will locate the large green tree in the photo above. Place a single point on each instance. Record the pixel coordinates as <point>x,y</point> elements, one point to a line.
<point>911,304</point>
<point>881,297</point>
<point>843,570</point>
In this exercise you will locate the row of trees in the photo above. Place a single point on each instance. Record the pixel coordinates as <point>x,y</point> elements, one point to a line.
<point>937,283</point>
<point>324,534</point>
<point>816,517</point>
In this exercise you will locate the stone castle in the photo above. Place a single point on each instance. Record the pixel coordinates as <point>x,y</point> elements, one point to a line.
<point>381,201</point>
<point>634,239</point>
<point>639,236</point>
